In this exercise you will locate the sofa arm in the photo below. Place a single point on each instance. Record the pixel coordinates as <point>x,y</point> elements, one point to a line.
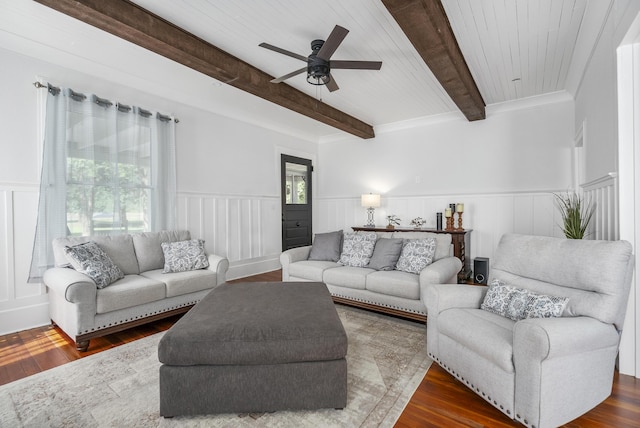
<point>293,255</point>
<point>441,271</point>
<point>74,286</point>
<point>220,265</point>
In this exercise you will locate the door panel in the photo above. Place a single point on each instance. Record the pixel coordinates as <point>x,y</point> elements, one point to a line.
<point>296,201</point>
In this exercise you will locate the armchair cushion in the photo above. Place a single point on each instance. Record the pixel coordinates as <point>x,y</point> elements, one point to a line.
<point>491,336</point>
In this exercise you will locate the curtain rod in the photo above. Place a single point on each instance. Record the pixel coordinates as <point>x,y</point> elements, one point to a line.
<point>39,85</point>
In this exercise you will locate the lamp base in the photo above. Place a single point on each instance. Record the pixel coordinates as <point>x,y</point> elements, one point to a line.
<point>370,221</point>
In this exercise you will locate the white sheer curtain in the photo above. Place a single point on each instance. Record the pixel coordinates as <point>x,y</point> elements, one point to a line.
<point>107,168</point>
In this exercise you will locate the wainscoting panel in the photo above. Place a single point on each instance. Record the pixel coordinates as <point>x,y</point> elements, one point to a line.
<point>489,215</point>
<point>22,305</point>
<point>245,229</point>
<point>603,193</point>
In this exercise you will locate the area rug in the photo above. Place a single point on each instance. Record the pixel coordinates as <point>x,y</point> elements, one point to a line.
<point>386,361</point>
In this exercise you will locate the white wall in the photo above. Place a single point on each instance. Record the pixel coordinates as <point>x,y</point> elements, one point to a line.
<point>228,180</point>
<point>504,169</point>
<point>597,110</point>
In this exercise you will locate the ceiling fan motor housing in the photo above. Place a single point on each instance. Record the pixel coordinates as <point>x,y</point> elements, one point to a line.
<point>317,68</point>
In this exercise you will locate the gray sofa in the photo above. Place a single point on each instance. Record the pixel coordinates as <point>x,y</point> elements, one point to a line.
<point>394,292</point>
<point>84,311</point>
<point>553,362</point>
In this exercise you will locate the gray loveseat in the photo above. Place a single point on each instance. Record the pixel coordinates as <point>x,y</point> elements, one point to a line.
<point>547,358</point>
<point>389,291</point>
<point>84,311</point>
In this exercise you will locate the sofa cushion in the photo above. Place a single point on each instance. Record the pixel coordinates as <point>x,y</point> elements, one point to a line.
<point>119,248</point>
<point>416,255</point>
<point>312,270</point>
<point>347,276</point>
<point>395,283</point>
<point>357,249</point>
<point>520,303</point>
<point>89,259</point>
<point>181,256</point>
<point>491,336</point>
<point>149,250</point>
<point>179,283</point>
<point>385,254</point>
<point>132,290</point>
<point>443,241</point>
<point>326,246</point>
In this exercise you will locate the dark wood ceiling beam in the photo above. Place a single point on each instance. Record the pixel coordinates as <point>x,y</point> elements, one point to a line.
<point>426,25</point>
<point>141,27</point>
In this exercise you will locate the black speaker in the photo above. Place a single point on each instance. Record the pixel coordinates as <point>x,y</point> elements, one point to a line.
<point>481,270</point>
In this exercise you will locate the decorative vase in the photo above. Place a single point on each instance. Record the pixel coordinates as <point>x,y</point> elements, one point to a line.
<point>390,227</point>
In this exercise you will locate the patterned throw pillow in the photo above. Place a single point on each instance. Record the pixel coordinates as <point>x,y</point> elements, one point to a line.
<point>89,259</point>
<point>519,303</point>
<point>182,256</point>
<point>416,255</point>
<point>357,249</point>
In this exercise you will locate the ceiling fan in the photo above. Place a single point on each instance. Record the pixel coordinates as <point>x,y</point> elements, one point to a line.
<point>319,62</point>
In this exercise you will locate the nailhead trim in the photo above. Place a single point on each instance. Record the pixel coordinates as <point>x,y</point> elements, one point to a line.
<point>138,317</point>
<point>473,387</point>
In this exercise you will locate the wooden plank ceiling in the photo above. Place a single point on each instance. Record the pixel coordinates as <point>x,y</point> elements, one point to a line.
<point>423,21</point>
<point>426,25</point>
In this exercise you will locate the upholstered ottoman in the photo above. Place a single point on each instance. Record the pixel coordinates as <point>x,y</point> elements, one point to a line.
<point>255,347</point>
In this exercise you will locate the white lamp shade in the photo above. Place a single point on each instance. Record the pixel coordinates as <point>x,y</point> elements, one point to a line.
<point>370,200</point>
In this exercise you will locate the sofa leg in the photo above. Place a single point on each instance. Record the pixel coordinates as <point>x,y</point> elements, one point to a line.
<point>82,346</point>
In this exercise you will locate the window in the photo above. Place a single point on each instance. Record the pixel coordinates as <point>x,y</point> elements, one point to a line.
<point>108,180</point>
<point>107,168</point>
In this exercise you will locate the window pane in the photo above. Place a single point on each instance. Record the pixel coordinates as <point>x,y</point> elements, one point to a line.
<point>296,183</point>
<point>108,178</point>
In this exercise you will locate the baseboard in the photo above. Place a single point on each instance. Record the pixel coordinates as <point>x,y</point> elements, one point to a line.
<point>24,318</point>
<point>251,267</point>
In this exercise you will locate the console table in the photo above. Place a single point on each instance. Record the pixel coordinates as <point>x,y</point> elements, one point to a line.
<point>459,238</point>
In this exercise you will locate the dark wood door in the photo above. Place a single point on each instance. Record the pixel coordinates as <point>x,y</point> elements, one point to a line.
<point>296,201</point>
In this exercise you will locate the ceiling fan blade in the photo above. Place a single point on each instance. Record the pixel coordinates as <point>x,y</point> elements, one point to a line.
<point>286,76</point>
<point>333,41</point>
<point>330,83</point>
<point>283,51</point>
<point>356,65</point>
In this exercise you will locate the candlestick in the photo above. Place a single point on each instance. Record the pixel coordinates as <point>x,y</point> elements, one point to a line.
<point>460,208</point>
<point>459,221</point>
<point>438,221</point>
<point>447,212</point>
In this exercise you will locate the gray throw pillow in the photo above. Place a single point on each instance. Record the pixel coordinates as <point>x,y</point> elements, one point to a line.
<point>89,259</point>
<point>182,256</point>
<point>326,246</point>
<point>386,253</point>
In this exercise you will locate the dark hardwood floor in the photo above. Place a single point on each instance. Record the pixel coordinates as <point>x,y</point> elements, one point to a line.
<point>439,401</point>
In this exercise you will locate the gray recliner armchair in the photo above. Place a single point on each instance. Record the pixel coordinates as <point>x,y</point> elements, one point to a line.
<point>542,372</point>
